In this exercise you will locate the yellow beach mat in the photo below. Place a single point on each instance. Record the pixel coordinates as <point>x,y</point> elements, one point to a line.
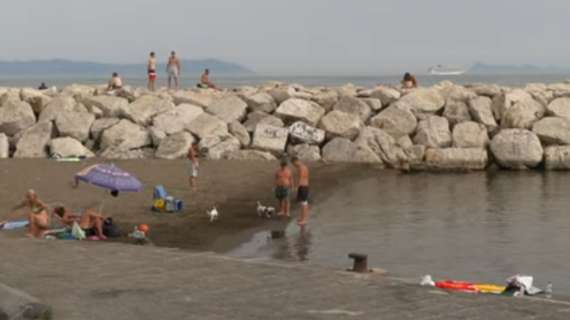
<point>489,288</point>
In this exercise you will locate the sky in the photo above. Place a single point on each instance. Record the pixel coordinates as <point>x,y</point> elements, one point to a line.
<point>301,37</point>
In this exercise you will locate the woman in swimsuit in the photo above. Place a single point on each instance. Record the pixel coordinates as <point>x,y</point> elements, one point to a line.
<point>38,217</point>
<point>90,221</point>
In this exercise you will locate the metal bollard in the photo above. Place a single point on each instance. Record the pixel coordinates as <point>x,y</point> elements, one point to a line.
<point>360,262</point>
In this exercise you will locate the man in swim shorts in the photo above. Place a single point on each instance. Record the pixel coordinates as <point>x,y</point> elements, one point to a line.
<point>282,186</point>
<point>302,190</point>
<point>205,82</point>
<point>194,164</point>
<point>173,70</point>
<point>151,69</point>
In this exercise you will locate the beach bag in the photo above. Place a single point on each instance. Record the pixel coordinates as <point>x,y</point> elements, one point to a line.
<point>159,192</point>
<point>111,230</point>
<point>158,205</point>
<point>170,205</point>
<point>77,232</point>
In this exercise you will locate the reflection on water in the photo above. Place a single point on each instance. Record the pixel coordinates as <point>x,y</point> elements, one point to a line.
<point>480,226</point>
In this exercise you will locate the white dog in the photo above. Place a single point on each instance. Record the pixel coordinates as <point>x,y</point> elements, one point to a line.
<point>213,214</point>
<point>262,210</point>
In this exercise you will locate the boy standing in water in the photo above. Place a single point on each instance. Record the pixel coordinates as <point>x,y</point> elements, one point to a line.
<point>302,190</point>
<point>282,185</point>
<point>194,164</point>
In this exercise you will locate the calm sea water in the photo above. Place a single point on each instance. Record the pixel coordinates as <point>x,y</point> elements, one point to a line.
<point>235,81</point>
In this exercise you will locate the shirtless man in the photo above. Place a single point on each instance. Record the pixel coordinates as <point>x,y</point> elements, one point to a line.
<point>151,70</point>
<point>38,217</point>
<point>194,164</point>
<point>205,80</point>
<point>282,185</point>
<point>173,70</point>
<point>116,83</point>
<point>302,190</point>
<point>90,221</point>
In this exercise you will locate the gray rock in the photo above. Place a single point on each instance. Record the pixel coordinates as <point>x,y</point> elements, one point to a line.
<point>341,124</point>
<point>450,91</point>
<point>4,146</point>
<point>281,94</point>
<point>35,98</point>
<point>422,101</point>
<point>304,133</point>
<point>517,149</point>
<point>383,145</point>
<point>470,135</point>
<point>206,125</point>
<point>354,106</point>
<point>481,111</point>
<point>174,146</point>
<point>557,158</point>
<point>99,125</point>
<point>74,124</point>
<point>142,110</point>
<point>297,109</point>
<point>386,95</point>
<point>110,106</point>
<point>15,116</point>
<point>456,159</point>
<point>125,135</point>
<point>559,108</point>
<point>227,146</point>
<point>240,132</point>
<point>194,98</point>
<point>484,89</point>
<point>34,141</point>
<point>456,111</point>
<point>523,114</point>
<point>156,136</point>
<point>68,147</point>
<point>270,138</point>
<point>177,119</point>
<point>505,101</point>
<point>261,101</point>
<point>344,150</point>
<point>326,99</point>
<point>433,132</point>
<point>78,90</point>
<point>228,109</point>
<point>305,152</point>
<point>59,105</point>
<point>257,117</point>
<point>396,121</point>
<point>250,155</point>
<point>374,103</point>
<point>553,130</point>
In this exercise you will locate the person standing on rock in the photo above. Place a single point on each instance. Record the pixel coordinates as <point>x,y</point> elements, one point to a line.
<point>151,70</point>
<point>302,190</point>
<point>194,164</point>
<point>173,70</point>
<point>283,182</point>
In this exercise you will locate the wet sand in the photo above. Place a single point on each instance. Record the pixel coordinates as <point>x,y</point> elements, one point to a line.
<point>234,186</point>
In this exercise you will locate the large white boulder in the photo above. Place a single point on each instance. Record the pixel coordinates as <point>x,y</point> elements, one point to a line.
<point>228,109</point>
<point>456,159</point>
<point>99,125</point>
<point>396,121</point>
<point>298,109</point>
<point>201,99</point>
<point>174,146</point>
<point>34,140</point>
<point>142,110</point>
<point>422,101</point>
<point>205,125</point>
<point>523,114</point>
<point>433,132</point>
<point>68,147</point>
<point>15,116</point>
<point>74,124</point>
<point>261,101</point>
<point>257,117</point>
<point>270,138</point>
<point>227,146</point>
<point>383,145</point>
<point>482,112</point>
<point>177,119</point>
<point>109,106</point>
<point>485,89</point>
<point>386,94</point>
<point>305,152</point>
<point>4,146</point>
<point>78,90</point>
<point>341,124</point>
<point>354,106</point>
<point>553,130</point>
<point>504,101</point>
<point>456,111</point>
<point>517,149</point>
<point>470,135</point>
<point>240,132</point>
<point>559,108</point>
<point>35,98</point>
<point>125,135</point>
<point>557,158</point>
<point>304,133</point>
<point>344,150</point>
<point>59,105</point>
<point>326,99</point>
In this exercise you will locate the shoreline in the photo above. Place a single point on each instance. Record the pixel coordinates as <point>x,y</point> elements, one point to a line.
<point>445,127</point>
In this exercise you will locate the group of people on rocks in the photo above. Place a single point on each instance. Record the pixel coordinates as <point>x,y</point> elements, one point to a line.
<point>173,71</point>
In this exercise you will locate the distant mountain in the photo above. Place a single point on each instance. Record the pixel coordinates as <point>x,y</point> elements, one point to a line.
<point>62,66</point>
<point>481,68</point>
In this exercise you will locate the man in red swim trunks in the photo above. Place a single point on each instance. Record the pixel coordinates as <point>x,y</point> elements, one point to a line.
<point>151,69</point>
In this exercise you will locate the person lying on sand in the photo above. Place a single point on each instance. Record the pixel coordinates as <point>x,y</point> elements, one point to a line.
<point>91,222</point>
<point>38,217</point>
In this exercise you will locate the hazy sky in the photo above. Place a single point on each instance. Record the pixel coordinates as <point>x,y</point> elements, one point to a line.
<point>292,36</point>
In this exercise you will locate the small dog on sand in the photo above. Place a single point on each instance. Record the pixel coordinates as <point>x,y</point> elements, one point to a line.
<point>262,210</point>
<point>213,214</point>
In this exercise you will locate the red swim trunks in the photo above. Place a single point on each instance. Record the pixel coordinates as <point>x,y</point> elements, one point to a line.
<point>151,75</point>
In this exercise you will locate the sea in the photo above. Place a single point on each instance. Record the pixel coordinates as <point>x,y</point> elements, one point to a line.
<point>233,81</point>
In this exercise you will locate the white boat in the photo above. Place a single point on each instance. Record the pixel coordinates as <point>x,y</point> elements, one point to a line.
<point>442,70</point>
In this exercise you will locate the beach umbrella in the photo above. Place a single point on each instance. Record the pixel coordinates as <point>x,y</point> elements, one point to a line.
<point>109,176</point>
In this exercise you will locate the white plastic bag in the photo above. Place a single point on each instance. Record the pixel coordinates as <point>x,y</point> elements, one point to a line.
<point>77,232</point>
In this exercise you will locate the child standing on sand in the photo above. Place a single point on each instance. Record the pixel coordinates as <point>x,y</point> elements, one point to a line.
<point>194,164</point>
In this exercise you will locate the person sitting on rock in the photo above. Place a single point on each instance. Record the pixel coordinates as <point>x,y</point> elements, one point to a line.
<point>43,86</point>
<point>38,217</point>
<point>205,82</point>
<point>409,81</point>
<point>91,222</point>
<point>116,83</point>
